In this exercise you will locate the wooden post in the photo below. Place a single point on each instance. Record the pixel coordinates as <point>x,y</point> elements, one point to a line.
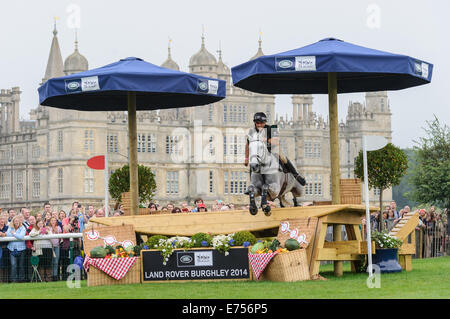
<point>132,137</point>
<point>334,158</point>
<point>337,236</point>
<point>334,138</point>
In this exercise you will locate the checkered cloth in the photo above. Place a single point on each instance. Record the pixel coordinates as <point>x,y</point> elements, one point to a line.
<point>260,261</point>
<point>114,267</point>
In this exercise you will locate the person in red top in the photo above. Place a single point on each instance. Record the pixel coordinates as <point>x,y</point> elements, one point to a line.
<point>28,249</point>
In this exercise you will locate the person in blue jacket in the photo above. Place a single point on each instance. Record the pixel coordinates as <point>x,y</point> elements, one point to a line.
<point>17,249</point>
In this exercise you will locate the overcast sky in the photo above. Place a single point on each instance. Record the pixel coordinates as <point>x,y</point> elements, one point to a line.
<point>110,30</point>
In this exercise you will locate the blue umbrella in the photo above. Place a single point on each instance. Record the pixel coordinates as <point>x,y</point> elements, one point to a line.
<point>331,66</point>
<point>130,84</point>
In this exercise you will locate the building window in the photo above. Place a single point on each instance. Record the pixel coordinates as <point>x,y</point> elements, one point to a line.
<point>235,182</point>
<point>36,183</point>
<point>171,144</point>
<point>89,140</point>
<point>211,148</point>
<point>313,185</point>
<point>141,143</point>
<point>172,182</point>
<point>88,180</point>
<point>60,180</point>
<point>316,150</point>
<point>5,184</point>
<point>235,114</point>
<point>151,143</point>
<point>19,184</point>
<point>19,153</point>
<point>376,191</point>
<point>36,151</point>
<point>225,115</point>
<point>210,112</point>
<point>234,145</point>
<point>113,144</point>
<point>211,182</point>
<point>312,149</point>
<point>60,143</point>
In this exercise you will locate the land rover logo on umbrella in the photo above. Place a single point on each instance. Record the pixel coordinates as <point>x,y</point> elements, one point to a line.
<point>285,64</point>
<point>203,86</point>
<point>186,259</point>
<point>73,85</point>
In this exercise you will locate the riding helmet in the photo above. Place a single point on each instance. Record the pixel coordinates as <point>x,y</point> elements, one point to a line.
<point>260,117</point>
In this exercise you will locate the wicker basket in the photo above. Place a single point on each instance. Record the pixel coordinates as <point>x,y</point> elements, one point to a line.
<point>288,267</point>
<point>97,277</point>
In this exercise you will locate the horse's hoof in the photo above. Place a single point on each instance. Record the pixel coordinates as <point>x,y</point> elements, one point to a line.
<point>253,210</point>
<point>267,210</point>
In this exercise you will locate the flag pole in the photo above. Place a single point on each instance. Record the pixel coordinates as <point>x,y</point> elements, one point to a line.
<point>366,196</point>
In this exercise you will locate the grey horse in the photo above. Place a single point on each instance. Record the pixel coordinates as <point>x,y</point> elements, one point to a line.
<point>267,179</point>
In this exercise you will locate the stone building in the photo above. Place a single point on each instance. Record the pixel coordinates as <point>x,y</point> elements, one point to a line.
<point>194,152</point>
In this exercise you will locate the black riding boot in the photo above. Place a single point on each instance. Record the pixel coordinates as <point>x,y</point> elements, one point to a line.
<point>291,168</point>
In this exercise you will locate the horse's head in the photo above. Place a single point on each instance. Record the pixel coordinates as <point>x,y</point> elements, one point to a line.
<point>257,154</point>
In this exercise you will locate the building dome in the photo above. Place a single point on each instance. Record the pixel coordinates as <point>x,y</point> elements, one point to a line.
<point>203,57</point>
<point>75,62</point>
<point>169,63</point>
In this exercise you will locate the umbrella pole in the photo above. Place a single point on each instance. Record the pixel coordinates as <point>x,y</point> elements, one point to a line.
<point>334,159</point>
<point>132,137</point>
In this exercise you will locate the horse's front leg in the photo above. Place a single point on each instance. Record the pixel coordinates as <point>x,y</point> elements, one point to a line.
<point>264,206</point>
<point>252,193</point>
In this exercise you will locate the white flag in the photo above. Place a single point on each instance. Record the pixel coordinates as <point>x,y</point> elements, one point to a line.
<point>375,142</point>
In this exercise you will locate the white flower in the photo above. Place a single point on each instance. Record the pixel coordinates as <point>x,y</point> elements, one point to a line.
<point>227,253</point>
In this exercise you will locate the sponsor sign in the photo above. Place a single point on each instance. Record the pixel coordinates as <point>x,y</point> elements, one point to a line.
<point>195,264</point>
<point>82,85</point>
<point>208,86</point>
<point>421,69</point>
<point>298,63</point>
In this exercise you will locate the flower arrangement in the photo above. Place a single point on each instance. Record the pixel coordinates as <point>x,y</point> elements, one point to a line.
<point>383,240</point>
<point>201,240</point>
<point>223,243</point>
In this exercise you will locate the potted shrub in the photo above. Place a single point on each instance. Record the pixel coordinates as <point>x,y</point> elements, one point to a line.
<point>386,256</point>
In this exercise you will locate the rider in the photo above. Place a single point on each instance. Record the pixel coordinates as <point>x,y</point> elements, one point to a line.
<point>260,120</point>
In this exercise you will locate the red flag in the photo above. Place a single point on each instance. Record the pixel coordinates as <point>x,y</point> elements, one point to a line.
<point>96,162</point>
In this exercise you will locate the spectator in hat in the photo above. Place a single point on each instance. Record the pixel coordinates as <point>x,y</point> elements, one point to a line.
<point>202,208</point>
<point>197,201</point>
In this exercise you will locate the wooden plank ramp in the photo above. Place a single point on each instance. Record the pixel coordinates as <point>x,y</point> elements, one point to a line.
<point>223,222</point>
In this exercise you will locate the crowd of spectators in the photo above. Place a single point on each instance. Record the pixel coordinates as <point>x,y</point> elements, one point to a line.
<point>198,206</point>
<point>53,254</point>
<point>431,233</point>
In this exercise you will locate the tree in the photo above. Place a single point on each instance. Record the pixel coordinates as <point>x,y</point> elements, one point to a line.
<point>431,174</point>
<point>119,182</point>
<point>385,168</point>
<point>400,192</point>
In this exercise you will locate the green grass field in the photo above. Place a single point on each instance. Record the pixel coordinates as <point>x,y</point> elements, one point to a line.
<point>430,278</point>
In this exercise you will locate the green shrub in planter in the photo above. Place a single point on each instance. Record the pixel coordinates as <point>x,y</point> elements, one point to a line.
<point>198,238</point>
<point>242,236</point>
<point>154,240</point>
